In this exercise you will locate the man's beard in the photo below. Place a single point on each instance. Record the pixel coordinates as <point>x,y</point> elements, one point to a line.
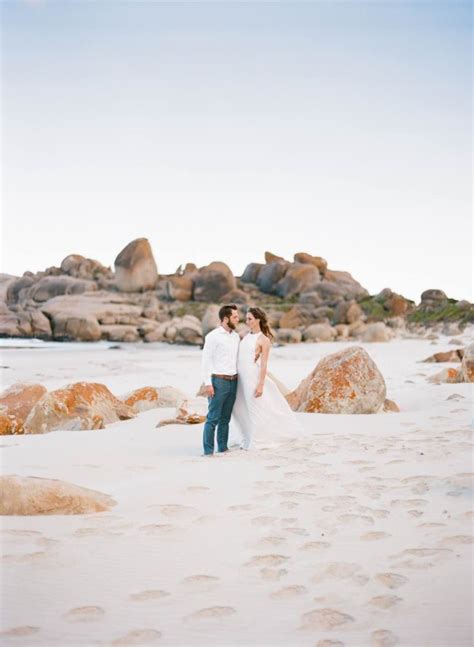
<point>231,325</point>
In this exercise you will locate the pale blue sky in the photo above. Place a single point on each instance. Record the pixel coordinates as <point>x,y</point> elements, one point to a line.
<point>219,130</point>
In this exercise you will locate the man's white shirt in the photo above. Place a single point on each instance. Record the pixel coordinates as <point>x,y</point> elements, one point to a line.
<point>220,353</point>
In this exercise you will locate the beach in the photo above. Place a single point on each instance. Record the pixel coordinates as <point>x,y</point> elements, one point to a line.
<point>359,530</point>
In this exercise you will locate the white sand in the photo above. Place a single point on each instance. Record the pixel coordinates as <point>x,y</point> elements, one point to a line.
<point>237,549</point>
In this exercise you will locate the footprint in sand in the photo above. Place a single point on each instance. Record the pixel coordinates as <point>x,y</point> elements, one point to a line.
<point>267,560</point>
<point>375,536</point>
<point>289,505</point>
<point>273,574</point>
<point>383,638</point>
<point>408,503</point>
<point>391,580</point>
<point>26,558</point>
<point>288,521</point>
<point>431,524</point>
<point>84,614</point>
<point>265,542</point>
<point>273,467</point>
<point>264,520</point>
<point>143,596</point>
<point>176,511</point>
<point>415,513</point>
<point>456,540</point>
<point>324,619</point>
<point>315,546</point>
<point>423,552</point>
<point>242,507</point>
<point>356,518</point>
<point>288,592</point>
<point>138,637</point>
<point>160,529</point>
<point>200,583</point>
<point>197,489</point>
<point>300,532</point>
<point>336,571</point>
<point>385,601</point>
<point>326,642</point>
<point>211,613</point>
<point>21,632</point>
<point>22,533</point>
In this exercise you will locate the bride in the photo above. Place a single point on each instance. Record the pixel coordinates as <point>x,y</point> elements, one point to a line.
<point>261,414</point>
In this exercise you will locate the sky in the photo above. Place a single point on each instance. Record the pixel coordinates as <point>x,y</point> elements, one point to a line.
<point>220,130</point>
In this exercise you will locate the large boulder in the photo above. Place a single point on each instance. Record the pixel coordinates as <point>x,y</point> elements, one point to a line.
<point>317,261</point>
<point>188,330</point>
<point>211,319</point>
<point>32,495</point>
<point>191,411</point>
<point>119,332</point>
<point>82,405</point>
<point>151,397</point>
<point>288,336</point>
<point>85,268</point>
<point>251,273</point>
<point>180,288</point>
<point>377,331</point>
<point>330,292</point>
<point>434,297</point>
<point>53,286</point>
<point>298,315</point>
<point>319,332</point>
<point>468,363</point>
<point>447,376</point>
<point>270,257</point>
<point>351,288</point>
<point>80,317</point>
<point>15,405</point>
<point>212,282</point>
<point>310,298</point>
<point>347,312</point>
<point>455,355</point>
<point>135,267</point>
<point>5,281</point>
<point>344,382</point>
<point>271,274</point>
<point>299,278</point>
<point>17,289</point>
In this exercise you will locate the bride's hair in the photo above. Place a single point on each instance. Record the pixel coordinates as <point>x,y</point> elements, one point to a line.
<point>261,315</point>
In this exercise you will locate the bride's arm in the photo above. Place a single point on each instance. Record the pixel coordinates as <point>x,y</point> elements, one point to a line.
<point>265,351</point>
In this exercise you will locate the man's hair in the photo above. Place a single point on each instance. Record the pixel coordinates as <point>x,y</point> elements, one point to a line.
<point>226,311</point>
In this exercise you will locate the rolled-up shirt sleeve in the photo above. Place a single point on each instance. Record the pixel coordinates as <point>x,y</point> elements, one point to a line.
<point>206,362</point>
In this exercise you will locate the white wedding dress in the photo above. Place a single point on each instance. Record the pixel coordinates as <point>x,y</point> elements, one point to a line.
<point>262,421</point>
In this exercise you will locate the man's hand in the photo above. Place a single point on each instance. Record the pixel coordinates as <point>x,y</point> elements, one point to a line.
<point>209,391</point>
<point>259,391</point>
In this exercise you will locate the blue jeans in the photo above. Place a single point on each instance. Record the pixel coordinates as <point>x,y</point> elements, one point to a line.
<point>218,415</point>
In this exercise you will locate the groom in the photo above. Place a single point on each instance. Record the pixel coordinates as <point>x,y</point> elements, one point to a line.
<point>219,369</point>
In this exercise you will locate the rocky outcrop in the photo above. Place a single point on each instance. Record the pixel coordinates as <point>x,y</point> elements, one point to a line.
<point>82,405</point>
<point>344,382</point>
<point>377,331</point>
<point>468,363</point>
<point>455,355</point>
<point>212,282</point>
<point>85,268</point>
<point>135,267</point>
<point>251,273</point>
<point>319,332</point>
<point>151,397</point>
<point>32,495</point>
<point>288,336</point>
<point>349,286</point>
<point>447,376</point>
<point>317,261</point>
<point>179,288</point>
<point>189,412</point>
<point>211,319</point>
<point>15,405</point>
<point>270,275</point>
<point>298,315</point>
<point>299,278</point>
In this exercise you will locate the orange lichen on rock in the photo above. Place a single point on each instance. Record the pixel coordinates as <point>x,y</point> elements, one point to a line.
<point>15,405</point>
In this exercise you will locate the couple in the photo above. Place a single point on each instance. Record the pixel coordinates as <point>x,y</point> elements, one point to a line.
<point>240,392</point>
